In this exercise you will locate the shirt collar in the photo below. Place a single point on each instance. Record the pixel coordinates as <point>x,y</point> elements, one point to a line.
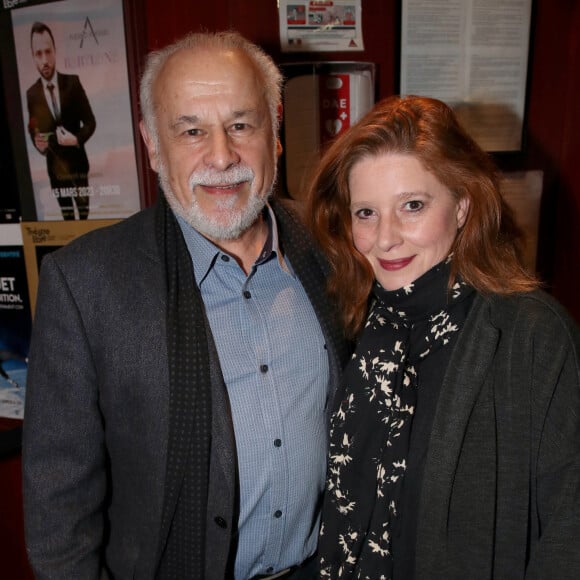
<point>52,81</point>
<point>205,253</point>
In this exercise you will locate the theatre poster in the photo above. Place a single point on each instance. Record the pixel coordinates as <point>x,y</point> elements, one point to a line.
<point>90,43</point>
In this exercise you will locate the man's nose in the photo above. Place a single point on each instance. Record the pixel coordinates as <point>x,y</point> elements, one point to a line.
<point>220,153</point>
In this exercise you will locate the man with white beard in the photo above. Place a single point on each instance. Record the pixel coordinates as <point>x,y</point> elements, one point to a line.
<point>183,361</point>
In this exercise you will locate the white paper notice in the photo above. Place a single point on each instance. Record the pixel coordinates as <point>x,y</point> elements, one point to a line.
<point>320,26</point>
<point>472,54</point>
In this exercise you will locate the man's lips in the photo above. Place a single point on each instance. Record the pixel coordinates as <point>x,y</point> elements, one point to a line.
<point>392,265</point>
<point>225,189</point>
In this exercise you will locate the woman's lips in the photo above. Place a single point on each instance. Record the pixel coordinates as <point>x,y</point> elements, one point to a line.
<point>392,265</point>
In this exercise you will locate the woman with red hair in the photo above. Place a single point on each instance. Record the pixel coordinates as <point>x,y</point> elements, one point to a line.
<point>455,441</point>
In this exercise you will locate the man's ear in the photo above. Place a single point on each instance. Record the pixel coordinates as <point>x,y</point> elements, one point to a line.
<point>150,144</point>
<point>280,116</point>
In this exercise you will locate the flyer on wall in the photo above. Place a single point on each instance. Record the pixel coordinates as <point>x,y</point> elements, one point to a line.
<point>76,109</point>
<point>320,26</point>
<point>15,322</point>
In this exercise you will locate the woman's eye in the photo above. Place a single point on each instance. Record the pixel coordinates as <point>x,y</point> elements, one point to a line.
<point>414,205</point>
<point>364,213</point>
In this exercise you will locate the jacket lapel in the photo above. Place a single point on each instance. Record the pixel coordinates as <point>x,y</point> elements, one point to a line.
<point>467,371</point>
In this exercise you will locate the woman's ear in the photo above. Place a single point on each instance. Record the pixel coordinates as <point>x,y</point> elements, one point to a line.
<point>462,209</point>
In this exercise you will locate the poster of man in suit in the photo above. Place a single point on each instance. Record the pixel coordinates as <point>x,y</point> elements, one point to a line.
<point>60,122</point>
<point>76,108</point>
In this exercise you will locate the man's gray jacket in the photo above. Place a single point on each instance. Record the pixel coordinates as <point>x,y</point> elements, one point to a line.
<point>96,418</point>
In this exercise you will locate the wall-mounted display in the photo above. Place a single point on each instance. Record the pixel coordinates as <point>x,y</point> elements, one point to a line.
<point>473,55</point>
<point>70,111</point>
<point>321,100</point>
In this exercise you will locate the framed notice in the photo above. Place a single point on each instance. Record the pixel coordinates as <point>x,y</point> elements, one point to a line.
<point>41,238</point>
<point>70,109</point>
<point>473,55</point>
<point>317,26</point>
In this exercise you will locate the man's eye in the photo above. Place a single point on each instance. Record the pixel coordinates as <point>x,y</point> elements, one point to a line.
<point>193,132</point>
<point>239,127</point>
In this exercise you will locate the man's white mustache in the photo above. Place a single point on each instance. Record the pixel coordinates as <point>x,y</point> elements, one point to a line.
<point>208,177</point>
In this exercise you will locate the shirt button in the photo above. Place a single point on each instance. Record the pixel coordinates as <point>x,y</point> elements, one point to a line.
<point>264,368</point>
<point>277,442</point>
<point>269,570</point>
<point>220,522</point>
<point>277,514</point>
<point>225,258</point>
<point>247,294</point>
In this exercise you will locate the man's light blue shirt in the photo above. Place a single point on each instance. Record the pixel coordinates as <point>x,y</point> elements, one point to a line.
<point>275,365</point>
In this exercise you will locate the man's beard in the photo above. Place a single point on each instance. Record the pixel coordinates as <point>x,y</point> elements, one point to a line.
<point>46,72</point>
<point>232,222</point>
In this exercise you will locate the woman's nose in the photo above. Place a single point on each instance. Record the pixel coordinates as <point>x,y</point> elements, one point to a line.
<point>389,234</point>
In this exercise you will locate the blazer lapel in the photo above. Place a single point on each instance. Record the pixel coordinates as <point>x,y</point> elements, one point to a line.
<point>223,448</point>
<point>467,370</point>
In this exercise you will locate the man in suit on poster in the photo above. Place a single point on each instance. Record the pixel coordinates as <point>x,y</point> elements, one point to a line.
<point>183,361</point>
<point>60,122</point>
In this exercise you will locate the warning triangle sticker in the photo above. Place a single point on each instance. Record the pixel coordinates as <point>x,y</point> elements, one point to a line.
<point>352,43</point>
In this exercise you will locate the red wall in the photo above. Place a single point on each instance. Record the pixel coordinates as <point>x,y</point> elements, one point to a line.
<point>554,142</point>
<point>13,560</point>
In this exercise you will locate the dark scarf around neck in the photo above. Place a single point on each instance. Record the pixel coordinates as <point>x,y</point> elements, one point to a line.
<point>182,539</point>
<point>371,429</point>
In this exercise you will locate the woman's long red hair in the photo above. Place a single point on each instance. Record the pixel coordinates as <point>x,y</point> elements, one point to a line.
<point>486,251</point>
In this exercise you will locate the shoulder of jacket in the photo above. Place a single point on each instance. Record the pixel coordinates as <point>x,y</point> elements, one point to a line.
<point>34,86</point>
<point>127,235</point>
<point>536,309</point>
